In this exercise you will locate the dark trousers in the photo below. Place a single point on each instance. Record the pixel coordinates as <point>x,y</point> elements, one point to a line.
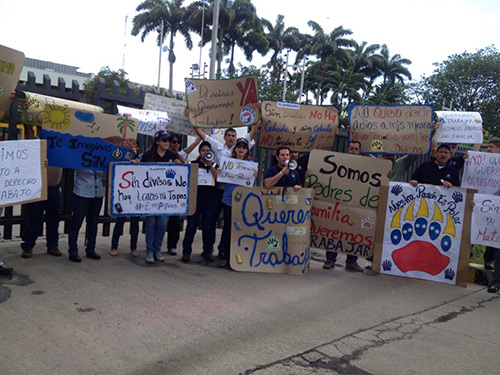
<point>225,241</point>
<point>173,232</point>
<point>35,210</point>
<point>332,257</point>
<point>495,281</point>
<point>489,254</point>
<point>206,211</point>
<point>118,231</point>
<point>84,208</point>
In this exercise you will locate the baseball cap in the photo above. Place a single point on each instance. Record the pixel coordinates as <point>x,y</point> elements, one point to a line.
<point>242,141</point>
<point>444,145</point>
<point>161,135</point>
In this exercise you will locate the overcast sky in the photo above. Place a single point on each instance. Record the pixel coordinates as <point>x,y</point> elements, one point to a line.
<point>94,33</point>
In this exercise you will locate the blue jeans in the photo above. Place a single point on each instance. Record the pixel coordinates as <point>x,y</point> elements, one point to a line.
<point>118,231</point>
<point>35,210</point>
<point>155,231</point>
<point>332,257</point>
<point>207,211</point>
<point>84,208</point>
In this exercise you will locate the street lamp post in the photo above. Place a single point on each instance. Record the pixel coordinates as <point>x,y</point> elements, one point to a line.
<point>159,62</point>
<point>215,31</point>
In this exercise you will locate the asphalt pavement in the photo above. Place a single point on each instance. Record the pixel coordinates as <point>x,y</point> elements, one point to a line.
<point>118,315</point>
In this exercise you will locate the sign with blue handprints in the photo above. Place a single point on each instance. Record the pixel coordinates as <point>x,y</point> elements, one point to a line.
<point>270,230</point>
<point>79,139</point>
<point>423,232</point>
<point>152,189</point>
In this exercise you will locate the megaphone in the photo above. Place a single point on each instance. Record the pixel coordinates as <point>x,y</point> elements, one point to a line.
<point>291,164</point>
<point>209,155</point>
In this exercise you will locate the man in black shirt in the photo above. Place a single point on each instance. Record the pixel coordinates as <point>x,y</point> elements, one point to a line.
<point>280,174</point>
<point>437,171</point>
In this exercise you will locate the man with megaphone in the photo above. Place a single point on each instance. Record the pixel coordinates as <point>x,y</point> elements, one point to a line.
<point>284,173</point>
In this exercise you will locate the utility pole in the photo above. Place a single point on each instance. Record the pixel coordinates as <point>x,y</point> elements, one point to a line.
<point>215,30</point>
<point>161,45</point>
<point>124,43</point>
<point>302,67</point>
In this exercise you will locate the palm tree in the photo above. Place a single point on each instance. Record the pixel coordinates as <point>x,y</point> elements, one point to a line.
<point>391,69</point>
<point>330,50</point>
<point>174,17</point>
<point>278,39</point>
<point>124,123</point>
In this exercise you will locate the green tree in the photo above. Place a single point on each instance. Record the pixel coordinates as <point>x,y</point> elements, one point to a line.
<point>175,20</point>
<point>470,82</point>
<point>391,68</point>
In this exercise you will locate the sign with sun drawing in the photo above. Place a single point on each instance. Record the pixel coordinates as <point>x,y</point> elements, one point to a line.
<point>423,233</point>
<point>78,139</point>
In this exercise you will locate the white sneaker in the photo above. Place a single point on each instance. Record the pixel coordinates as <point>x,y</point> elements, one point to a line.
<point>369,265</point>
<point>150,259</point>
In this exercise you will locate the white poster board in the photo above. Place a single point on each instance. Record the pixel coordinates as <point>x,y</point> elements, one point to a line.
<point>482,172</point>
<point>459,127</point>
<point>149,121</point>
<point>239,172</point>
<point>485,224</point>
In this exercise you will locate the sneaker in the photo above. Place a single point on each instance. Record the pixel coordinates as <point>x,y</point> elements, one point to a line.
<point>185,258</point>
<point>134,253</point>
<point>113,252</point>
<point>369,265</point>
<point>27,253</point>
<point>328,265</point>
<point>493,289</point>
<point>355,267</point>
<point>150,259</point>
<point>158,257</point>
<point>6,271</point>
<point>224,263</point>
<point>488,266</point>
<point>171,252</point>
<point>54,251</point>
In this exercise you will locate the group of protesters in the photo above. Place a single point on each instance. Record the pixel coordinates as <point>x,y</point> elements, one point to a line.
<point>444,169</point>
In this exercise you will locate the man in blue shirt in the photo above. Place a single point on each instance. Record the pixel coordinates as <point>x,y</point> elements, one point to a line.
<point>280,174</point>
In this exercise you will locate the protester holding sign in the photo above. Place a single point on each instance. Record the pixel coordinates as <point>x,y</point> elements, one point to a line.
<point>281,174</point>
<point>437,171</point>
<point>241,152</point>
<point>174,225</point>
<point>157,225</point>
<point>87,202</point>
<point>205,207</point>
<point>351,263</point>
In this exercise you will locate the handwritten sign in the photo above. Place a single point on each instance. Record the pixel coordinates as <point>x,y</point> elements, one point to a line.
<point>79,139</point>
<point>179,123</point>
<point>239,172</point>
<point>391,129</point>
<point>485,223</point>
<point>298,126</point>
<point>11,65</point>
<point>152,189</point>
<point>223,103</point>
<point>346,194</point>
<point>23,173</point>
<point>482,172</point>
<point>32,106</point>
<point>423,232</point>
<point>270,230</point>
<point>459,127</point>
<point>149,122</point>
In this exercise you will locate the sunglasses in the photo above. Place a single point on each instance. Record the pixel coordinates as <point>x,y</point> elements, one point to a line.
<point>174,141</point>
<point>241,145</point>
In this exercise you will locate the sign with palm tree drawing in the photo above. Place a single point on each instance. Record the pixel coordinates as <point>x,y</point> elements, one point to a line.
<point>80,139</point>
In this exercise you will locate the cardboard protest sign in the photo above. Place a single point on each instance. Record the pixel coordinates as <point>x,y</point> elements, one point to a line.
<point>23,174</point>
<point>300,127</point>
<point>239,172</point>
<point>205,177</point>
<point>482,172</point>
<point>78,139</point>
<point>179,123</point>
<point>346,194</point>
<point>420,232</point>
<point>459,127</point>
<point>11,65</point>
<point>223,103</point>
<point>149,122</point>
<point>485,223</point>
<point>32,106</point>
<point>391,129</point>
<point>152,189</point>
<point>270,230</point>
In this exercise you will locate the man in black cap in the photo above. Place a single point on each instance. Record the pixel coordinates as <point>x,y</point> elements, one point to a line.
<point>437,171</point>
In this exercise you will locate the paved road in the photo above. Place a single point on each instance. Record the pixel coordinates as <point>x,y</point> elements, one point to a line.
<point>119,316</point>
